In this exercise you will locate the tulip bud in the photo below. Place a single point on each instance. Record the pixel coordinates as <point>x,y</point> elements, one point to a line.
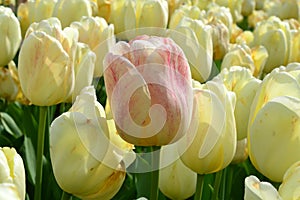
<point>235,7</point>
<point>256,190</point>
<point>104,9</point>
<point>295,45</point>
<point>196,42</point>
<point>173,5</point>
<point>9,84</point>
<point>241,153</point>
<point>34,11</point>
<point>12,175</point>
<point>210,143</point>
<point>64,10</point>
<point>255,17</point>
<point>248,6</point>
<point>131,75</point>
<point>47,57</point>
<point>240,81</point>
<point>290,186</point>
<point>95,32</point>
<point>10,37</point>
<point>245,37</point>
<point>176,181</point>
<point>259,4</point>
<point>86,163</point>
<point>283,9</point>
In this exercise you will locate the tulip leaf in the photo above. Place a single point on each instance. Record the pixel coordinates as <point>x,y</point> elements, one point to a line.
<point>30,159</point>
<point>9,125</point>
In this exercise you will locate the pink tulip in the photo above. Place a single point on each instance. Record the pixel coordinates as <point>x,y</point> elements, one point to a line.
<point>149,88</point>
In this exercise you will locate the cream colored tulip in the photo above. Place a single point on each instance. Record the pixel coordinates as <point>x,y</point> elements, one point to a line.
<point>173,5</point>
<point>235,32</point>
<point>290,186</point>
<point>189,11</point>
<point>210,143</point>
<point>10,37</point>
<point>241,153</point>
<point>275,36</point>
<point>257,190</point>
<point>86,163</point>
<point>95,32</point>
<point>241,55</point>
<point>130,15</point>
<point>194,37</point>
<point>246,37</point>
<point>176,181</point>
<point>12,175</point>
<point>9,83</point>
<point>255,17</point>
<point>295,45</point>
<point>259,4</point>
<point>248,6</point>
<point>104,9</point>
<point>34,11</point>
<point>240,81</point>
<point>235,7</point>
<point>68,11</point>
<point>273,123</point>
<point>83,68</point>
<point>284,9</point>
<point>47,57</point>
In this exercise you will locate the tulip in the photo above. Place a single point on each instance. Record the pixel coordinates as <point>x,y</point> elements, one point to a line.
<point>283,9</point>
<point>259,4</point>
<point>295,45</point>
<point>149,72</point>
<point>246,37</point>
<point>47,57</point>
<point>10,37</point>
<point>290,186</point>
<point>34,11</point>
<point>83,69</point>
<point>241,153</point>
<point>248,6</point>
<point>273,123</point>
<point>210,143</point>
<point>64,10</point>
<point>240,81</point>
<point>189,11</point>
<point>173,5</point>
<point>274,35</point>
<point>235,7</point>
<point>86,163</point>
<point>131,15</point>
<point>235,32</point>
<point>9,83</point>
<point>256,190</point>
<point>12,174</point>
<point>95,32</point>
<point>104,9</point>
<point>241,55</point>
<point>176,181</point>
<point>196,42</point>
<point>256,17</point>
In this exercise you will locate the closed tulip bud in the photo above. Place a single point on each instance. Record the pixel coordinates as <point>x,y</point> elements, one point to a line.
<point>176,181</point>
<point>130,74</point>
<point>256,190</point>
<point>189,11</point>
<point>10,37</point>
<point>194,37</point>
<point>255,17</point>
<point>290,186</point>
<point>273,122</point>
<point>47,57</point>
<point>235,7</point>
<point>34,11</point>
<point>274,35</point>
<point>295,45</point>
<point>86,163</point>
<point>210,143</point>
<point>259,4</point>
<point>129,15</point>
<point>104,9</point>
<point>240,81</point>
<point>12,175</point>
<point>95,32</point>
<point>248,6</point>
<point>241,153</point>
<point>64,10</point>
<point>283,9</point>
<point>9,83</point>
<point>83,68</point>
<point>173,5</point>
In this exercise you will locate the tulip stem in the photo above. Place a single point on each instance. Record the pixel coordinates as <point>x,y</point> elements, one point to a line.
<point>40,153</point>
<point>217,184</point>
<point>66,196</point>
<point>154,174</point>
<point>199,187</point>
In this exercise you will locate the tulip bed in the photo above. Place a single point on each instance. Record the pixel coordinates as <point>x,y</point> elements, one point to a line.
<point>150,99</point>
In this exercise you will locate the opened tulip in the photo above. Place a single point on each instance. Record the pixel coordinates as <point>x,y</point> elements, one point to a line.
<point>284,9</point>
<point>34,11</point>
<point>210,143</point>
<point>256,190</point>
<point>95,32</point>
<point>47,57</point>
<point>256,17</point>
<point>235,7</point>
<point>290,186</point>
<point>274,123</point>
<point>64,10</point>
<point>194,37</point>
<point>240,81</point>
<point>176,180</point>
<point>130,15</point>
<point>149,87</point>
<point>12,175</point>
<point>10,37</point>
<point>85,161</point>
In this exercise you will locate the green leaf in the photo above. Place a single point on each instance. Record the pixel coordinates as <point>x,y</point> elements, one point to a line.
<point>9,125</point>
<point>30,159</point>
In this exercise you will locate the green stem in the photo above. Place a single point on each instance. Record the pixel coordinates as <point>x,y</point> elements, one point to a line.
<point>199,187</point>
<point>217,184</point>
<point>40,153</point>
<point>66,196</point>
<point>229,181</point>
<point>154,174</point>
